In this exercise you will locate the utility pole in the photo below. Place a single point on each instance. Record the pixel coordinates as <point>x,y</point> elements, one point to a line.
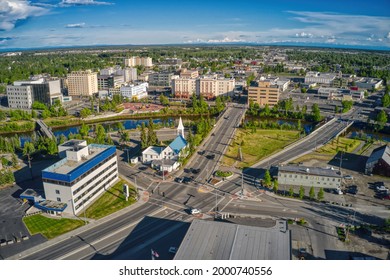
<point>242,183</point>
<point>127,150</point>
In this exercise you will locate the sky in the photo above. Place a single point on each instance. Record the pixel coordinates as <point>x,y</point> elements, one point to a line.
<point>60,23</point>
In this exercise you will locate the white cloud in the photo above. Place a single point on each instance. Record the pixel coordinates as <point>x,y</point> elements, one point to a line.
<point>12,11</point>
<point>83,2</point>
<point>304,35</point>
<point>75,25</point>
<point>388,35</point>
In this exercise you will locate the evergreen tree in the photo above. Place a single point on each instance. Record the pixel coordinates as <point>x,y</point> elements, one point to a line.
<point>28,150</point>
<point>301,192</point>
<point>312,194</point>
<point>291,192</point>
<point>144,137</point>
<point>62,139</point>
<point>320,194</point>
<point>276,186</point>
<point>152,136</point>
<point>100,134</point>
<point>267,178</point>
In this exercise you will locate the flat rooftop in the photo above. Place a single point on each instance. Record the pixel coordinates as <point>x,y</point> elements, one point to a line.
<point>329,172</point>
<point>68,170</point>
<point>68,165</point>
<point>208,240</point>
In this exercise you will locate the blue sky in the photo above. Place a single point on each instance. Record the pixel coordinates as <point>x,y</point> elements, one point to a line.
<point>51,23</point>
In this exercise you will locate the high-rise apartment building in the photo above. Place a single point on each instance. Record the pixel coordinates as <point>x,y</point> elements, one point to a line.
<point>136,60</point>
<point>208,86</point>
<point>82,84</point>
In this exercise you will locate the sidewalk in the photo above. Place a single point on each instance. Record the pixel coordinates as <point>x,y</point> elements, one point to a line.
<point>144,197</point>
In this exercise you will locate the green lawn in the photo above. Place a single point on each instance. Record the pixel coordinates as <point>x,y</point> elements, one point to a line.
<point>50,227</point>
<point>111,201</point>
<point>257,145</point>
<point>327,152</point>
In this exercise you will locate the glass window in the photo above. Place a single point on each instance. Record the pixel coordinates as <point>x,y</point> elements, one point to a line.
<point>58,199</point>
<point>57,192</point>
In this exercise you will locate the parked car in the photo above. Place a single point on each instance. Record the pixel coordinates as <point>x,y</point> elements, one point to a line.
<point>201,153</point>
<point>172,250</point>
<point>211,156</point>
<point>186,180</point>
<point>178,180</point>
<point>195,170</point>
<point>382,196</point>
<point>348,177</point>
<point>381,188</point>
<point>338,191</point>
<point>195,211</point>
<point>352,189</point>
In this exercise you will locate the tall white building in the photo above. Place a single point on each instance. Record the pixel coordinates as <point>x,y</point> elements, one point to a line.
<point>135,91</point>
<point>84,173</point>
<point>129,74</point>
<point>82,84</point>
<point>23,93</point>
<point>20,97</point>
<point>136,60</point>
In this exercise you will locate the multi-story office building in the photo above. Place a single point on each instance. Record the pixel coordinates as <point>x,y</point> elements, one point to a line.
<point>84,173</point>
<point>132,91</point>
<point>109,81</point>
<point>264,92</point>
<point>160,79</point>
<point>82,84</point>
<point>208,86</point>
<point>292,175</point>
<point>320,78</point>
<point>136,60</point>
<point>23,93</point>
<point>129,74</point>
<point>20,97</point>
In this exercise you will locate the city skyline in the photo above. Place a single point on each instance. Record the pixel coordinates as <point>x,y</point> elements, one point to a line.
<point>66,23</point>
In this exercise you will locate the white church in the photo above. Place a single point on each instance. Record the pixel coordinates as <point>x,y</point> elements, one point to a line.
<point>167,158</point>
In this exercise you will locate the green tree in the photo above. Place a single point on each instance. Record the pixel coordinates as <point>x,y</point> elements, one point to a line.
<point>291,192</point>
<point>62,139</point>
<point>144,137</point>
<point>301,192</point>
<point>320,194</point>
<point>52,147</point>
<point>336,109</point>
<point>276,186</point>
<point>85,112</point>
<point>14,160</point>
<point>267,178</point>
<point>312,194</point>
<point>38,106</point>
<point>152,136</point>
<point>381,118</point>
<point>28,150</point>
<point>125,136</point>
<point>84,130</point>
<point>386,100</point>
<point>100,134</point>
<point>316,114</point>
<point>164,100</point>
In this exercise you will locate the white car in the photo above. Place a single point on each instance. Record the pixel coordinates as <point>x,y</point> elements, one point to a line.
<point>195,211</point>
<point>381,188</point>
<point>348,177</point>
<point>338,191</point>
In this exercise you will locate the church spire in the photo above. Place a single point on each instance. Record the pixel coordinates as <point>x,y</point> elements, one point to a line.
<point>180,128</point>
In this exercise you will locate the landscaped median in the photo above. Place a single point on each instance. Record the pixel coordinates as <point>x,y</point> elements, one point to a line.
<point>50,227</point>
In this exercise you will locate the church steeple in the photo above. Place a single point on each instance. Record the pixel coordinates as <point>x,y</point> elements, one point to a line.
<point>180,128</point>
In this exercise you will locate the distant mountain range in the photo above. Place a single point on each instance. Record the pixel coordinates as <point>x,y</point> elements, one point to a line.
<point>279,44</point>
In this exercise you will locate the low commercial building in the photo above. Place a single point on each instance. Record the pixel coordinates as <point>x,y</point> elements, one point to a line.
<point>83,174</point>
<point>379,162</point>
<point>341,94</point>
<point>319,78</point>
<point>368,83</point>
<point>134,91</point>
<point>209,240</point>
<point>293,175</point>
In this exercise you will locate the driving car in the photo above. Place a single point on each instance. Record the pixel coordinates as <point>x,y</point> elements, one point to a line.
<point>195,211</point>
<point>178,180</point>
